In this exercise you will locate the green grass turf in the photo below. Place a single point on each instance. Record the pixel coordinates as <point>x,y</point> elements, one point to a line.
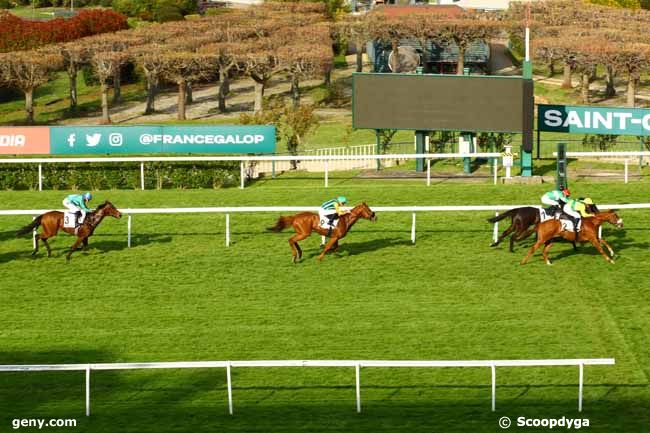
<point>180,294</point>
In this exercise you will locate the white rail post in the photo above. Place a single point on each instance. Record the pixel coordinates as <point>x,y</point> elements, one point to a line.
<point>241,175</point>
<point>128,229</point>
<point>227,229</point>
<point>494,387</point>
<point>40,177</point>
<point>326,173</point>
<point>495,235</point>
<point>229,388</point>
<point>34,233</point>
<point>496,169</point>
<point>428,172</point>
<point>88,390</point>
<point>600,232</point>
<point>580,382</point>
<point>358,385</point>
<point>626,163</point>
<point>142,176</point>
<point>413,229</point>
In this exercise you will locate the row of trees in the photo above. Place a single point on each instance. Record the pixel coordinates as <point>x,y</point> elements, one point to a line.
<point>424,27</point>
<point>285,38</point>
<point>582,36</point>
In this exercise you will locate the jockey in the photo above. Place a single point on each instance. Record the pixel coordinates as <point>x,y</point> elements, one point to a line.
<point>577,209</point>
<point>332,209</point>
<point>78,203</point>
<point>556,198</point>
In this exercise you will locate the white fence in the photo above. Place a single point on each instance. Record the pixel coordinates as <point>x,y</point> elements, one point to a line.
<point>623,154</point>
<point>294,209</point>
<point>243,160</point>
<point>356,364</point>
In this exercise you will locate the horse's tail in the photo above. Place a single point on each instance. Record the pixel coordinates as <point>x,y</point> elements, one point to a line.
<point>283,223</point>
<point>29,227</point>
<point>502,216</point>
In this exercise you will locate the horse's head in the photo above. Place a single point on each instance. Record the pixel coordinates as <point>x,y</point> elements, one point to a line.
<point>364,211</point>
<point>611,217</point>
<point>107,208</point>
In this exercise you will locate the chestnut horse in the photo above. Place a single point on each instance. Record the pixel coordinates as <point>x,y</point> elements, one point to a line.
<point>305,223</point>
<point>52,222</point>
<point>548,230</point>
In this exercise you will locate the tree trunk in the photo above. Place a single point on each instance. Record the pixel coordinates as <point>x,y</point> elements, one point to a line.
<point>586,75</point>
<point>460,66</point>
<point>327,79</point>
<point>182,86</point>
<point>610,89</point>
<point>105,116</point>
<point>631,91</point>
<point>295,91</point>
<point>152,87</point>
<point>117,85</point>
<point>259,96</point>
<point>224,84</point>
<point>566,82</point>
<point>188,95</point>
<point>551,68</point>
<point>359,49</point>
<point>72,76</point>
<point>29,105</point>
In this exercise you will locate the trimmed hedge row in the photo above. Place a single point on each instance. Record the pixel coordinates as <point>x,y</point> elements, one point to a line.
<point>102,176</point>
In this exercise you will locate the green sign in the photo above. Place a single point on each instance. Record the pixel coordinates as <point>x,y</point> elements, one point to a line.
<point>593,120</point>
<point>161,139</point>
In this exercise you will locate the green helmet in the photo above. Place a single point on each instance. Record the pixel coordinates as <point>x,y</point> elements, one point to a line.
<point>342,199</point>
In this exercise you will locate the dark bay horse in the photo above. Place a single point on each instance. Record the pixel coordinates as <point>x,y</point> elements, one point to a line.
<point>305,223</point>
<point>521,220</point>
<point>551,229</point>
<point>52,222</point>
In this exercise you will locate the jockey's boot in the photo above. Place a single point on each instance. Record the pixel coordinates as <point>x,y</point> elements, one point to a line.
<point>77,219</point>
<point>576,225</point>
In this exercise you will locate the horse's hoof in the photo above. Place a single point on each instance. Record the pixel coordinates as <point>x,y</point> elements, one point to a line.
<point>493,244</point>
<point>611,261</point>
<point>548,262</point>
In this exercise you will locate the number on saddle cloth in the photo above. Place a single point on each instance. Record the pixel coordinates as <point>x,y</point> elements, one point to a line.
<point>70,220</point>
<point>325,221</point>
<point>567,225</point>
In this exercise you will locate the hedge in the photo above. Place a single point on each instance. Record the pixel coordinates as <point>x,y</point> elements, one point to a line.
<point>102,176</point>
<point>19,34</point>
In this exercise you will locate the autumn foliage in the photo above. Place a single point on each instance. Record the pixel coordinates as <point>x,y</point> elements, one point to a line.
<point>19,34</point>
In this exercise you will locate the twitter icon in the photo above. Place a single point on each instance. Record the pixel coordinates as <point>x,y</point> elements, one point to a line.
<point>93,140</point>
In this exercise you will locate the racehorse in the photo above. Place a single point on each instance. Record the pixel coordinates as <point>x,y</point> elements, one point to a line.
<point>305,223</point>
<point>548,230</point>
<point>522,218</point>
<point>52,222</point>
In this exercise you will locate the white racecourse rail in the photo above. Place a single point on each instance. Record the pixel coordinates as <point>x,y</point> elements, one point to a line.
<point>294,209</point>
<point>356,364</point>
<point>244,159</point>
<point>623,154</point>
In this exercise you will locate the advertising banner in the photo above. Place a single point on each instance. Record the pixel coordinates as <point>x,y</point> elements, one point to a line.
<point>593,120</point>
<point>162,139</point>
<point>25,141</point>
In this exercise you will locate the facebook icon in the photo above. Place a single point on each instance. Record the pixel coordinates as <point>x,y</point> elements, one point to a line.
<point>71,140</point>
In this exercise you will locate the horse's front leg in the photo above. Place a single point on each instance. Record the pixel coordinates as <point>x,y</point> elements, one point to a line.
<point>85,244</point>
<point>328,246</point>
<point>594,241</point>
<point>505,233</point>
<point>604,242</point>
<point>73,248</point>
<point>545,251</point>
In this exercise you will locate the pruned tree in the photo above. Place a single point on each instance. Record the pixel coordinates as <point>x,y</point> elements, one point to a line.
<point>631,60</point>
<point>261,63</point>
<point>105,63</point>
<point>181,68</point>
<point>150,59</point>
<point>75,55</point>
<point>226,57</point>
<point>464,30</point>
<point>303,61</point>
<point>355,28</point>
<point>28,70</point>
<point>389,30</point>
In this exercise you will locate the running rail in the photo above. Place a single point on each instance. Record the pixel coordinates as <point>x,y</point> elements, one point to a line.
<point>356,364</point>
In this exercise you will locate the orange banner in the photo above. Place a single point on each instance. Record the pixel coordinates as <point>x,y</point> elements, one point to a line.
<point>34,140</point>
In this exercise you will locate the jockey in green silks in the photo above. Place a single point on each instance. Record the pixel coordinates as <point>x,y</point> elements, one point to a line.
<point>333,209</point>
<point>577,209</point>
<point>78,203</point>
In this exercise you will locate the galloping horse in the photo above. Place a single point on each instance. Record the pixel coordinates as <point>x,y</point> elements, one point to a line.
<point>52,222</point>
<point>548,230</point>
<point>305,223</point>
<point>521,220</point>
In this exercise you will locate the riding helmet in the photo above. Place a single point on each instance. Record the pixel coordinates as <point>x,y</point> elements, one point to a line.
<point>88,196</point>
<point>342,199</point>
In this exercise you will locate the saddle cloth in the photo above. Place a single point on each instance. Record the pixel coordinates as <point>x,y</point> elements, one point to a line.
<point>567,225</point>
<point>543,216</point>
<point>324,220</point>
<point>70,220</point>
